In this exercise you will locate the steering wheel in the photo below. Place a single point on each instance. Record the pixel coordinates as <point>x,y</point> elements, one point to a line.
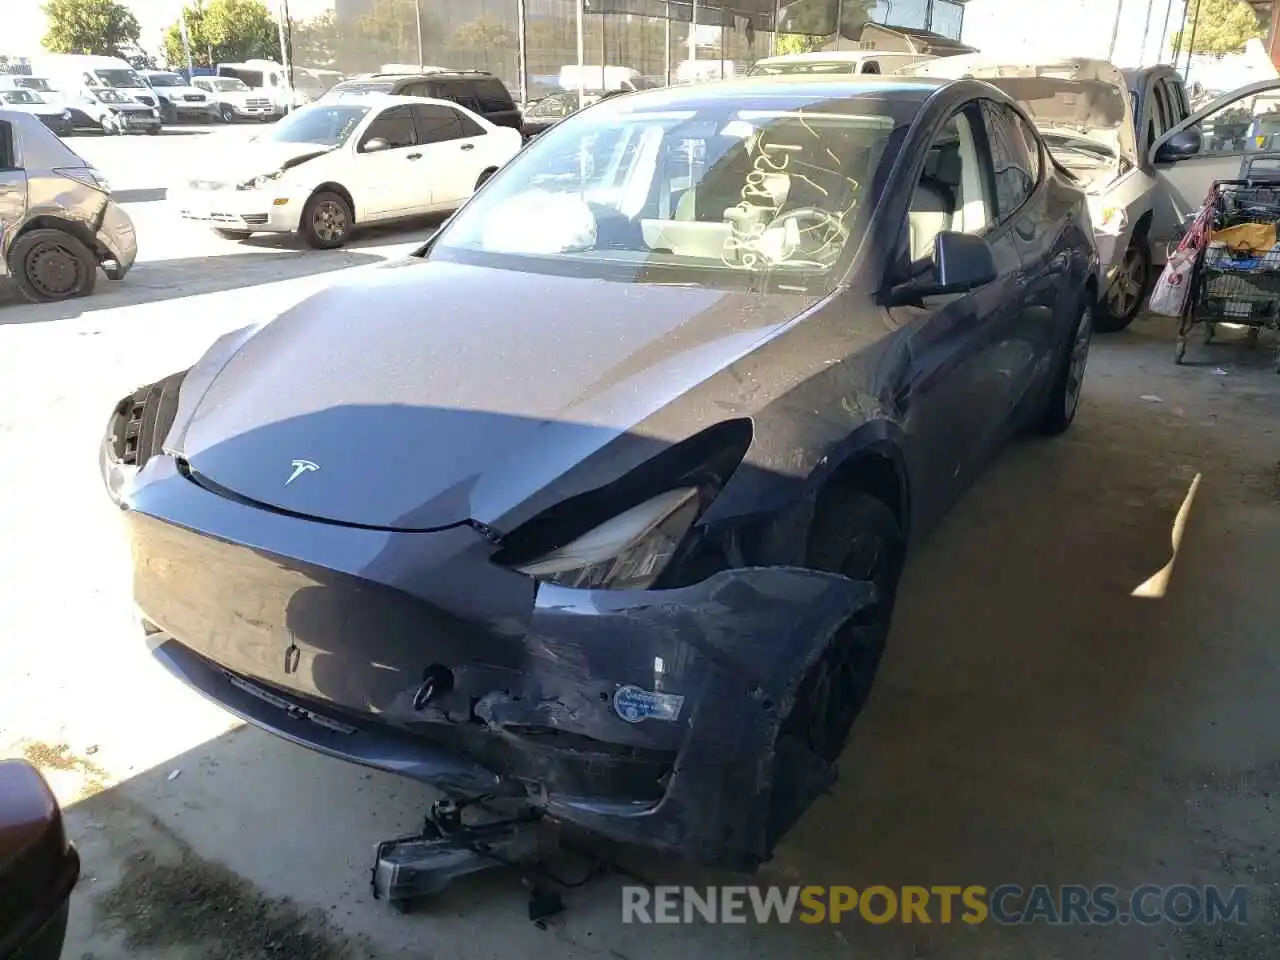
<point>822,237</point>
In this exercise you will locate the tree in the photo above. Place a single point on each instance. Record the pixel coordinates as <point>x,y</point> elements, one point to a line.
<point>89,26</point>
<point>797,43</point>
<point>224,31</point>
<point>1219,26</point>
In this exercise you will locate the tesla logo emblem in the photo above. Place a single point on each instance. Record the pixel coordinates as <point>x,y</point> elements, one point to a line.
<point>299,468</point>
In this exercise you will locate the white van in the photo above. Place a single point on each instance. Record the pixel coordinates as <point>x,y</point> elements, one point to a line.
<point>596,78</point>
<point>836,62</point>
<point>271,80</point>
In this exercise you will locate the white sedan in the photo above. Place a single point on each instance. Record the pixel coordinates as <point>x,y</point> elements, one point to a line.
<point>328,167</point>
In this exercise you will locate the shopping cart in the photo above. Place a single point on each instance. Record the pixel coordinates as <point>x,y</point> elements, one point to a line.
<point>1236,279</point>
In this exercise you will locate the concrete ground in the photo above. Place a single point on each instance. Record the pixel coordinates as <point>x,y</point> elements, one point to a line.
<point>1034,720</point>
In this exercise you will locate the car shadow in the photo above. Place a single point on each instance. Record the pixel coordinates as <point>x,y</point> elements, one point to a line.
<point>157,280</point>
<point>378,234</point>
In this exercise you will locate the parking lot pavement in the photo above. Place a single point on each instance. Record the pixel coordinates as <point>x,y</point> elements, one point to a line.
<point>1034,721</point>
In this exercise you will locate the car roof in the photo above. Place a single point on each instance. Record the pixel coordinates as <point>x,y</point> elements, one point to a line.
<point>376,98</point>
<point>834,56</point>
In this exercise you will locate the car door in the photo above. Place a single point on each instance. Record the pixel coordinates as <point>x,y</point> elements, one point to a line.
<point>1025,335</point>
<point>13,191</point>
<point>1227,149</point>
<point>386,182</point>
<point>946,400</point>
<point>451,145</point>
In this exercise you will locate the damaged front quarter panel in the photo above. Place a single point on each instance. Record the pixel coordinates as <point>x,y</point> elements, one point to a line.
<point>726,657</point>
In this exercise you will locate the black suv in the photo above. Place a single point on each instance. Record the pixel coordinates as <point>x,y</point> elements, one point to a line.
<point>479,92</point>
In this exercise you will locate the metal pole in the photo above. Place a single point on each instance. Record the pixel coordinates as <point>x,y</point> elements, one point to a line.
<point>840,23</point>
<point>285,60</point>
<point>1146,27</point>
<point>693,33</point>
<point>1191,44</point>
<point>1115,30</point>
<point>724,38</point>
<point>522,53</point>
<point>604,56</point>
<point>417,22</point>
<point>1164,31</point>
<point>186,45</point>
<point>582,41</point>
<point>667,53</point>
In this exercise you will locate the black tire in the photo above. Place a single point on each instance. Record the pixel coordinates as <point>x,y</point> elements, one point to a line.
<point>232,234</point>
<point>858,536</point>
<point>327,220</point>
<point>1068,378</point>
<point>484,177</point>
<point>51,265</point>
<point>227,113</point>
<point>1117,308</point>
<point>153,131</point>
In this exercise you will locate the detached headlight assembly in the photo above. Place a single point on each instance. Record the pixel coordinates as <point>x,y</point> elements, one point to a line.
<point>261,181</point>
<point>628,552</point>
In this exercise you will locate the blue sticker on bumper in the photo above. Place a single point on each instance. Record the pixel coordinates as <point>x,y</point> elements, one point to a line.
<point>633,704</point>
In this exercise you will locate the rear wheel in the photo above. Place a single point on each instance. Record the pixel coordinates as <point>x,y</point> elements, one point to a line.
<point>859,537</point>
<point>327,221</point>
<point>51,265</point>
<point>1123,298</point>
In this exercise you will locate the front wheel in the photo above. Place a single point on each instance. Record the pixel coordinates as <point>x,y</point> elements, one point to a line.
<point>51,265</point>
<point>857,536</point>
<point>1068,380</point>
<point>1123,299</point>
<point>228,113</point>
<point>327,220</point>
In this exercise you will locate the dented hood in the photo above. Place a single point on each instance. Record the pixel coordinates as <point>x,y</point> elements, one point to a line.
<point>254,159</point>
<point>426,393</point>
<point>1086,97</point>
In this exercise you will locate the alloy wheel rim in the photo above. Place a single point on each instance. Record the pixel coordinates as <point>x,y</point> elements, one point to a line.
<point>330,222</point>
<point>1079,361</point>
<point>1127,288</point>
<point>53,270</point>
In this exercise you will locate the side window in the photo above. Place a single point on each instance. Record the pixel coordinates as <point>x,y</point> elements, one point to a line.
<point>418,89</point>
<point>1176,97</point>
<point>1009,158</point>
<point>953,191</point>
<point>1247,124</point>
<point>394,125</point>
<point>469,127</point>
<point>1160,109</point>
<point>464,92</point>
<point>7,159</point>
<point>275,80</point>
<point>1035,154</point>
<point>437,124</point>
<point>493,96</point>
<point>871,66</point>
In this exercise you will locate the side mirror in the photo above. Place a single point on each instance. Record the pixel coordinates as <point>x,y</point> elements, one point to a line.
<point>374,145</point>
<point>1183,144</point>
<point>38,865</point>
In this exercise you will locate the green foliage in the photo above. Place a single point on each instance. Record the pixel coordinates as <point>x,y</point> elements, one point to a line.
<point>1220,26</point>
<point>89,26</point>
<point>797,43</point>
<point>224,31</point>
<point>482,33</point>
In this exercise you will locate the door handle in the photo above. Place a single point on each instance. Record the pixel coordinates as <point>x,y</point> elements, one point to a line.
<point>414,156</point>
<point>468,146</point>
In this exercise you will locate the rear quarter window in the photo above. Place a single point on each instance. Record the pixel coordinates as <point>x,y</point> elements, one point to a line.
<point>8,159</point>
<point>493,95</point>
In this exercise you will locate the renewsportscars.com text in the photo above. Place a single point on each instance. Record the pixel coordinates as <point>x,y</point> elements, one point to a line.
<point>1008,904</point>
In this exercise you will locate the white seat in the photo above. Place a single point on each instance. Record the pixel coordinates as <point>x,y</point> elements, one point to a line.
<point>930,215</point>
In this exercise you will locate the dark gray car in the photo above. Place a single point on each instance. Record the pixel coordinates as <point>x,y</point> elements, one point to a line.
<point>600,500</point>
<point>58,223</point>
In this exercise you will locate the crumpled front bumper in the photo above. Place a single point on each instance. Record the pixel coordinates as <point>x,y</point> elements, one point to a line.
<point>649,717</point>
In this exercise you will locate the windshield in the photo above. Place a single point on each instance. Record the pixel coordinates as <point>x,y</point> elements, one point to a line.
<point>166,80</point>
<point>764,191</point>
<point>112,96</point>
<point>766,69</point>
<point>224,84</point>
<point>327,125</point>
<point>21,96</point>
<point>118,78</point>
<point>33,83</point>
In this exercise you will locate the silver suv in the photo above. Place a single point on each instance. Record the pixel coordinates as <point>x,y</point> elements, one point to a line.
<point>58,223</point>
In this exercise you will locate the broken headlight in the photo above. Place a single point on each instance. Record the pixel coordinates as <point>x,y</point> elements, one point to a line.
<point>627,552</point>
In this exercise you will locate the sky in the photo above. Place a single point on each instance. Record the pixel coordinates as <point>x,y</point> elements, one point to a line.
<point>1079,27</point>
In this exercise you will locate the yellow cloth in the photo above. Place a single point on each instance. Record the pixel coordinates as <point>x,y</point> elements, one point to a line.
<point>1246,236</point>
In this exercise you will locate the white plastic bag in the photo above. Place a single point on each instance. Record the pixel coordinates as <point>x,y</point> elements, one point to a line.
<point>1170,294</point>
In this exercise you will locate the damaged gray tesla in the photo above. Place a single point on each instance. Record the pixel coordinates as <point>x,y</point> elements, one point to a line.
<point>599,500</point>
